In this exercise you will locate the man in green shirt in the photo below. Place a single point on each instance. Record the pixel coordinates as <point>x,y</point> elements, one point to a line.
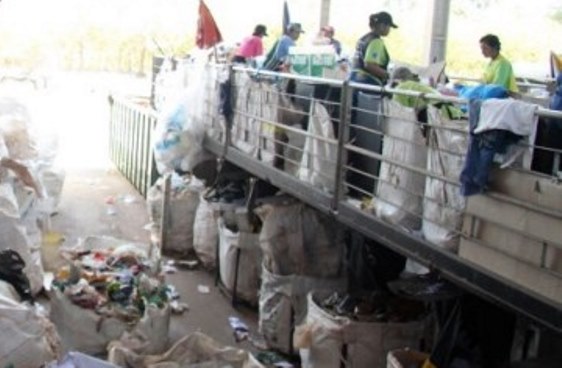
<point>499,70</point>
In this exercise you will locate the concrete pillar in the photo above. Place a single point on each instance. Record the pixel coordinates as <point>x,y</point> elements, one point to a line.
<point>325,12</point>
<point>437,26</point>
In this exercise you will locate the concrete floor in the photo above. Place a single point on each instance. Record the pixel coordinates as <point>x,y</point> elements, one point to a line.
<point>71,116</point>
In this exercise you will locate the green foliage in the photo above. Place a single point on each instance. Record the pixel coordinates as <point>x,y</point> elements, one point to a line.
<point>557,15</point>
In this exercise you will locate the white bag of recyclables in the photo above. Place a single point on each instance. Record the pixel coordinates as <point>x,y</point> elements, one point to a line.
<point>14,236</point>
<point>318,164</point>
<point>9,205</point>
<point>368,343</point>
<point>283,305</point>
<point>86,331</point>
<point>249,261</point>
<point>205,233</point>
<point>28,338</point>
<point>296,239</point>
<point>196,350</point>
<point>16,129</point>
<point>443,205</point>
<point>52,181</point>
<point>399,196</point>
<point>183,119</point>
<point>246,126</point>
<point>183,203</point>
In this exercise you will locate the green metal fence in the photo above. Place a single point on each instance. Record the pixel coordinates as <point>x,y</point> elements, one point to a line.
<point>130,129</point>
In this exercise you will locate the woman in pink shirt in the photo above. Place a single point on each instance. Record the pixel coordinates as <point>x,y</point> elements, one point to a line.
<point>251,46</point>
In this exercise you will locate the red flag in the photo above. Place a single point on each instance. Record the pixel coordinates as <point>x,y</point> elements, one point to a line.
<point>208,33</point>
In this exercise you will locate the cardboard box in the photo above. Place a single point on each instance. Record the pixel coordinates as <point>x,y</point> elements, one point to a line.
<point>315,61</point>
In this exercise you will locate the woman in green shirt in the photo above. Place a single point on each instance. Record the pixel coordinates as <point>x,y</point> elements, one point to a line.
<point>371,58</point>
<point>499,70</point>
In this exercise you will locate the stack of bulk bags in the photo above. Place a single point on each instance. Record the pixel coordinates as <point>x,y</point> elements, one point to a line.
<point>302,252</point>
<point>325,336</point>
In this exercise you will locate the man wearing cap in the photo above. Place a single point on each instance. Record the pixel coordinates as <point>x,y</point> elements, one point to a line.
<point>277,58</point>
<point>371,58</point>
<point>252,46</point>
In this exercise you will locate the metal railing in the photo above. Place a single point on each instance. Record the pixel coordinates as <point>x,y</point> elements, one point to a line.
<point>130,131</point>
<point>392,172</point>
<point>388,171</point>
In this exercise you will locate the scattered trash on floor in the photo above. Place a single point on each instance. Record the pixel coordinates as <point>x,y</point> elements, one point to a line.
<point>239,328</point>
<point>273,359</point>
<point>187,264</point>
<point>178,307</point>
<point>203,289</point>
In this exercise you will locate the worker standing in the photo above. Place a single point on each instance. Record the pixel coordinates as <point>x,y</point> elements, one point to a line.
<point>371,58</point>
<point>278,57</point>
<point>252,46</point>
<point>499,71</point>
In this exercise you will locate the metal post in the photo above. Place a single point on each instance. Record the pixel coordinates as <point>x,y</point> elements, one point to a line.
<point>165,212</point>
<point>343,137</point>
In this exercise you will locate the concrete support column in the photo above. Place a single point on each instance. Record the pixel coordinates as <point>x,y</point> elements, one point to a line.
<point>325,12</point>
<point>437,27</point>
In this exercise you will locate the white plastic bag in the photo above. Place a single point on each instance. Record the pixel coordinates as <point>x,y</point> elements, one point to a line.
<point>249,261</point>
<point>14,236</point>
<point>318,164</point>
<point>192,351</point>
<point>443,205</point>
<point>205,233</point>
<point>283,305</point>
<point>400,190</point>
<point>183,202</point>
<point>368,343</point>
<point>85,331</point>
<point>297,239</point>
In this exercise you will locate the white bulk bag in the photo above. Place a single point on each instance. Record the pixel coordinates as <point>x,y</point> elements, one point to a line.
<point>282,305</point>
<point>205,233</point>
<point>248,282</point>
<point>28,338</point>
<point>296,239</point>
<point>196,350</point>
<point>246,126</point>
<point>443,203</point>
<point>368,343</point>
<point>318,164</point>
<point>14,236</point>
<point>400,190</point>
<point>88,332</point>
<point>183,202</point>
